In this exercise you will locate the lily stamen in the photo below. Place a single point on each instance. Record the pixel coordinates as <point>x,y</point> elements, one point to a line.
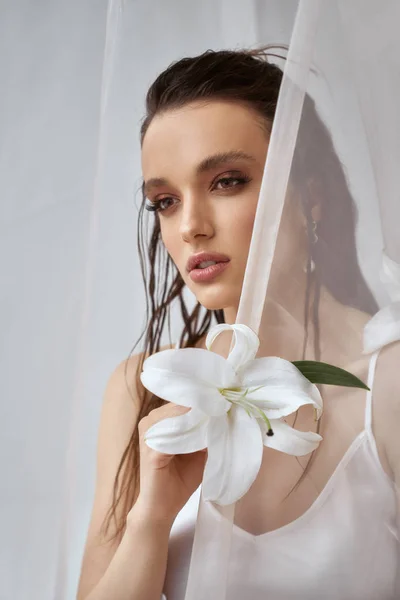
<point>237,396</point>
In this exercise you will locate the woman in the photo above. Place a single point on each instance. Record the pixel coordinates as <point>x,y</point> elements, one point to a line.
<point>204,144</point>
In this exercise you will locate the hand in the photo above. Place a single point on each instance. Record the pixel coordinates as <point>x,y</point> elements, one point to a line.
<point>166,480</point>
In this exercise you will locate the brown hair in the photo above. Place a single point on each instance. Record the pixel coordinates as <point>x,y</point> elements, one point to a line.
<point>248,78</point>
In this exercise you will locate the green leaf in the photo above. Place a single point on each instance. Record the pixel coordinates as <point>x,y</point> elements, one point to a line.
<point>319,372</point>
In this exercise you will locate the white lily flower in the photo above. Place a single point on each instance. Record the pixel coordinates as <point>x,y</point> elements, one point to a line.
<point>236,408</point>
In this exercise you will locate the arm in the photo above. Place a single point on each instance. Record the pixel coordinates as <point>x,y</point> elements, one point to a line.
<point>132,568</point>
<point>137,569</point>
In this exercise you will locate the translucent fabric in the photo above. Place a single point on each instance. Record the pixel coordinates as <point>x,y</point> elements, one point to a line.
<point>327,217</point>
<point>51,59</point>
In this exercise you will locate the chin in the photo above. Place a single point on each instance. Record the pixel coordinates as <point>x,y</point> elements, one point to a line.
<point>217,298</point>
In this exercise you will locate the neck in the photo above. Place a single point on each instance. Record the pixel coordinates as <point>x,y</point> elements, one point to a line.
<point>282,329</point>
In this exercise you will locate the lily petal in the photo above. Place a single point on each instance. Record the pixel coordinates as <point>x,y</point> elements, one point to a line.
<point>235,449</point>
<point>277,387</point>
<point>292,441</point>
<point>179,435</point>
<point>189,377</point>
<point>200,364</point>
<point>246,343</point>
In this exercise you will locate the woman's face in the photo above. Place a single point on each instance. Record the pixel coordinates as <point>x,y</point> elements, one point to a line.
<point>202,167</point>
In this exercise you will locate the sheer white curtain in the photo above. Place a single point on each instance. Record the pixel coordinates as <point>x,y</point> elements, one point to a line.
<point>73,78</point>
<point>71,298</point>
<point>50,64</point>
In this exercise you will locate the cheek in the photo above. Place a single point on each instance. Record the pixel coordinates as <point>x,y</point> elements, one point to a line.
<point>241,221</point>
<point>172,242</point>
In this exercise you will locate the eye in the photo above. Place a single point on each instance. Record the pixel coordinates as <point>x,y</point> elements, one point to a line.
<point>230,181</point>
<point>161,204</point>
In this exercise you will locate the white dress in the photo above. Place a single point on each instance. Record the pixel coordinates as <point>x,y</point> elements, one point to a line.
<point>312,558</point>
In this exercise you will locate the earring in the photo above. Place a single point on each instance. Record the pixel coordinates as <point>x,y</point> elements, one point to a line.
<point>314,232</point>
<point>310,266</point>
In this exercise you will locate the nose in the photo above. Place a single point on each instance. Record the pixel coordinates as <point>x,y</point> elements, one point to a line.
<point>196,220</point>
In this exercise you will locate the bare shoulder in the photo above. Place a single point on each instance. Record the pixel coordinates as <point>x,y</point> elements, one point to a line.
<point>123,386</point>
<point>387,381</point>
<point>386,406</point>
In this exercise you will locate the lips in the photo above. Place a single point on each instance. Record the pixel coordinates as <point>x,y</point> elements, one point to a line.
<point>200,260</point>
<point>206,266</point>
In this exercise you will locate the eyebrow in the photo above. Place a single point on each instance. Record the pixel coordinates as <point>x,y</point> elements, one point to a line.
<point>207,164</point>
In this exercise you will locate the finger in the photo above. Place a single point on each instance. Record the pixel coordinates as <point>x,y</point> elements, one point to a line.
<point>167,410</point>
<point>158,414</point>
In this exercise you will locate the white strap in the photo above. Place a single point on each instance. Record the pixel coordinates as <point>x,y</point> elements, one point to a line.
<point>370,383</point>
